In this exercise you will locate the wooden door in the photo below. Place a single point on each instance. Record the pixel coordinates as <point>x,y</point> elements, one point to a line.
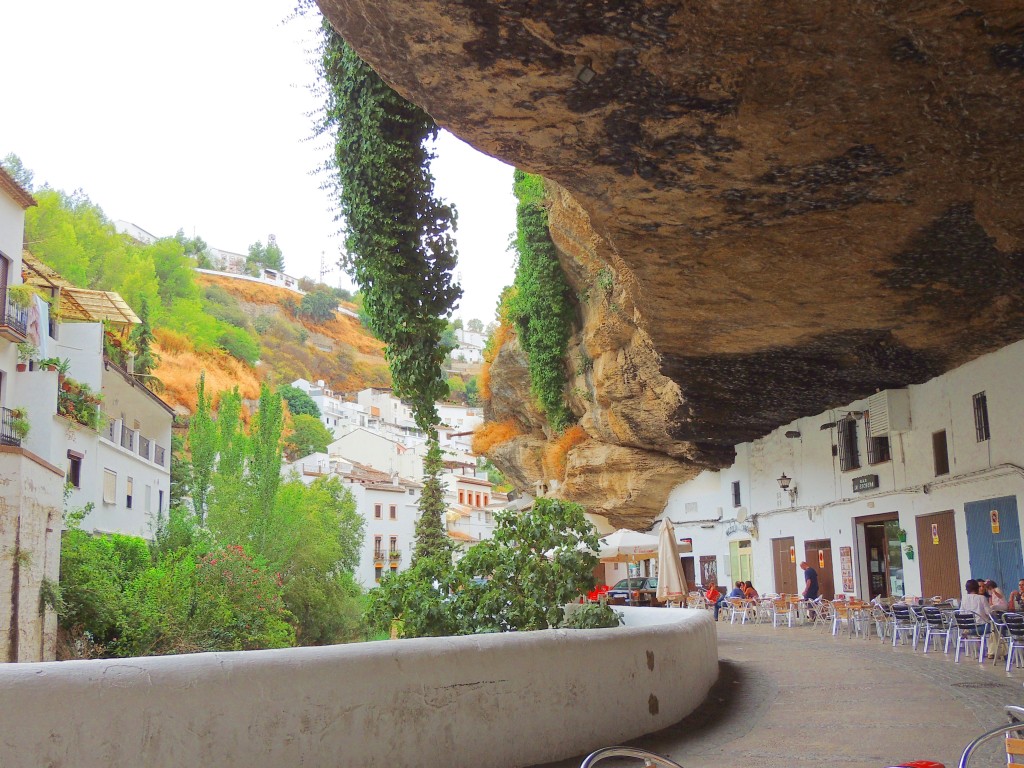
<point>784,556</point>
<point>936,546</point>
<point>818,555</point>
<point>709,570</point>
<point>691,581</point>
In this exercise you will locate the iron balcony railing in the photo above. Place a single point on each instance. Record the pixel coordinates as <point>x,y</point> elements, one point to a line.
<point>395,555</point>
<point>158,455</point>
<point>7,434</point>
<point>378,555</point>
<point>15,317</point>
<point>144,447</point>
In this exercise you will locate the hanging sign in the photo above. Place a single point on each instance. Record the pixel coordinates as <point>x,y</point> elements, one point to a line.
<point>846,565</point>
<point>821,558</point>
<point>686,545</point>
<point>865,483</point>
<point>994,517</point>
<point>792,554</point>
<point>935,533</point>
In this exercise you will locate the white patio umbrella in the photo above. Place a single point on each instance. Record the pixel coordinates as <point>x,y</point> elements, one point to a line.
<point>671,581</point>
<point>626,546</point>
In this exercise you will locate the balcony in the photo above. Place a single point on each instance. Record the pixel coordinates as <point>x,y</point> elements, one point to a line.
<point>378,555</point>
<point>144,443</point>
<point>127,438</point>
<point>158,455</point>
<point>8,435</point>
<point>394,556</point>
<point>13,322</point>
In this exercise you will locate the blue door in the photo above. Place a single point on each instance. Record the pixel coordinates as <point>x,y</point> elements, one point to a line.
<point>993,555</point>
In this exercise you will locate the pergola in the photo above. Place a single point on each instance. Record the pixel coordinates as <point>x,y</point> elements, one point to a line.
<point>77,304</point>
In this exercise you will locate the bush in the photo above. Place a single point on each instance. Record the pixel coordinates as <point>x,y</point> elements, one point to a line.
<point>319,305</point>
<point>594,616</point>
<point>492,433</point>
<point>239,344</point>
<point>223,306</point>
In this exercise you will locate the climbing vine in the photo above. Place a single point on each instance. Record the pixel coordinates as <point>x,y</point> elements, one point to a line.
<point>541,306</point>
<point>398,235</point>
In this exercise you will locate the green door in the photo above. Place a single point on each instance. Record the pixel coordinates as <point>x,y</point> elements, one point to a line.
<point>741,560</point>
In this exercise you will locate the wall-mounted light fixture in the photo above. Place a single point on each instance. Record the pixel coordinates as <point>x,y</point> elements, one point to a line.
<point>793,433</point>
<point>786,484</point>
<point>584,73</point>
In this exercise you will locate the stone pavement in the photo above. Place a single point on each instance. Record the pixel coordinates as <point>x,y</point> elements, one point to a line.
<point>798,697</point>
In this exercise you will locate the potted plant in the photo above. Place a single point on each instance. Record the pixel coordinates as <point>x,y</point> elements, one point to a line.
<point>901,534</point>
<point>26,352</point>
<point>49,363</point>
<point>908,550</point>
<point>20,295</point>
<point>19,423</point>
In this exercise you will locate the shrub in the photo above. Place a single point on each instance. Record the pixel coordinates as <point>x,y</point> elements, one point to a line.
<point>239,344</point>
<point>172,341</point>
<point>556,450</point>
<point>492,433</point>
<point>319,305</point>
<point>594,616</point>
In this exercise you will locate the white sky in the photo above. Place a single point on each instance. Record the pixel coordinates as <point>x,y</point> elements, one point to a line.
<point>195,115</point>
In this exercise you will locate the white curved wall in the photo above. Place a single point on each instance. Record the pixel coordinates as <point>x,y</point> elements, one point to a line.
<point>506,700</point>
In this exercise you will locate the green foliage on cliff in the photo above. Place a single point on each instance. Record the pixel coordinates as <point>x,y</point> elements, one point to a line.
<point>398,234</point>
<point>541,306</point>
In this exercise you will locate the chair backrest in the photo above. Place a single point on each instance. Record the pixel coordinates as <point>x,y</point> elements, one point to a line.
<point>918,611</point>
<point>934,617</point>
<point>965,620</point>
<point>901,612</point>
<point>1014,623</point>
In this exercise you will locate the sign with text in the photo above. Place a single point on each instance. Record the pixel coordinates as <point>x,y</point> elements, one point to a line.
<point>935,533</point>
<point>994,515</point>
<point>865,483</point>
<point>792,554</point>
<point>821,558</point>
<point>846,564</point>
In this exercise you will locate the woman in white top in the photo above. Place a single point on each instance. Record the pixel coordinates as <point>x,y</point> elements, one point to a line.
<point>996,599</point>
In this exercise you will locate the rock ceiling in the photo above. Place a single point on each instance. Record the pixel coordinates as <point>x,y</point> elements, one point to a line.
<point>802,202</point>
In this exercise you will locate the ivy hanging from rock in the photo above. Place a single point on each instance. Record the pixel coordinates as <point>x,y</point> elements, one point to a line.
<point>398,235</point>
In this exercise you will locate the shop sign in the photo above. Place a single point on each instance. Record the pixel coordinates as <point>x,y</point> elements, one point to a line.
<point>994,517</point>
<point>865,483</point>
<point>735,527</point>
<point>935,533</point>
<point>846,565</point>
<point>792,554</point>
<point>686,545</point>
<point>821,558</point>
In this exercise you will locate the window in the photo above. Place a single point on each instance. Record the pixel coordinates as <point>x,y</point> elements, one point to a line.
<point>462,496</point>
<point>378,548</point>
<point>160,501</point>
<point>128,495</point>
<point>393,511</point>
<point>736,493</point>
<point>109,487</point>
<point>393,544</point>
<point>149,498</point>
<point>849,458</point>
<point>941,453</point>
<point>378,511</point>
<point>981,430</point>
<point>485,499</point>
<point>75,469</point>
<point>878,447</point>
<point>478,500</point>
<point>377,572</point>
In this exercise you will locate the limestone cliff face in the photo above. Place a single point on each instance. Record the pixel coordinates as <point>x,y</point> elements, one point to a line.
<point>797,203</point>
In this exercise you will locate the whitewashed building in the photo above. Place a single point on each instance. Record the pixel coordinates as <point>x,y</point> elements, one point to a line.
<point>337,414</point>
<point>940,464</point>
<point>470,348</point>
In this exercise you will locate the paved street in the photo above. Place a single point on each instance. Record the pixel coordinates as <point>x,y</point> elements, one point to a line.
<point>799,697</point>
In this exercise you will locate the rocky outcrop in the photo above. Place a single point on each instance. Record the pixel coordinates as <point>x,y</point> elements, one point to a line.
<point>797,204</point>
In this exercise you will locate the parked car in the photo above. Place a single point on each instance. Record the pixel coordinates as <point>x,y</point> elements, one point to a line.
<point>636,590</point>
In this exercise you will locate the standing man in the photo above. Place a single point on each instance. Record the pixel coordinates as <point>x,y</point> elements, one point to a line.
<point>810,582</point>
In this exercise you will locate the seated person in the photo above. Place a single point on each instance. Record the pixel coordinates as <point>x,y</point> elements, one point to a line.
<point>737,591</point>
<point>749,592</point>
<point>1016,601</point>
<point>976,603</point>
<point>714,597</point>
<point>996,600</point>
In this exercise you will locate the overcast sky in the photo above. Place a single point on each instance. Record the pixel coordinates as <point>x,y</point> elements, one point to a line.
<point>196,115</point>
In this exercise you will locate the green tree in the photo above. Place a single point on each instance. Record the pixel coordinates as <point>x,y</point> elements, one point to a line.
<point>264,467</point>
<point>299,402</point>
<point>202,445</point>
<point>145,358</point>
<point>457,388</point>
<point>181,473</point>
<point>475,326</point>
<point>259,257</point>
<point>431,532</point>
<point>398,234</point>
<point>13,165</point>
<point>473,391</point>
<point>173,270</point>
<point>535,563</point>
<point>308,435</point>
<point>318,305</point>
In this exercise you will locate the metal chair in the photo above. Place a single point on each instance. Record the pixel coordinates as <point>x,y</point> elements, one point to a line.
<point>936,626</point>
<point>650,759</point>
<point>1000,634</point>
<point>782,609</point>
<point>1011,733</point>
<point>743,608</point>
<point>1015,629</point>
<point>969,631</point>
<point>919,623</point>
<point>903,624</point>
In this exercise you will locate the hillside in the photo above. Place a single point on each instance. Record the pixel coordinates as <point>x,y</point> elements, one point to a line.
<point>340,351</point>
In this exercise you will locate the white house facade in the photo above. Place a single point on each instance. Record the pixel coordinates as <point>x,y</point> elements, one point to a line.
<point>908,492</point>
